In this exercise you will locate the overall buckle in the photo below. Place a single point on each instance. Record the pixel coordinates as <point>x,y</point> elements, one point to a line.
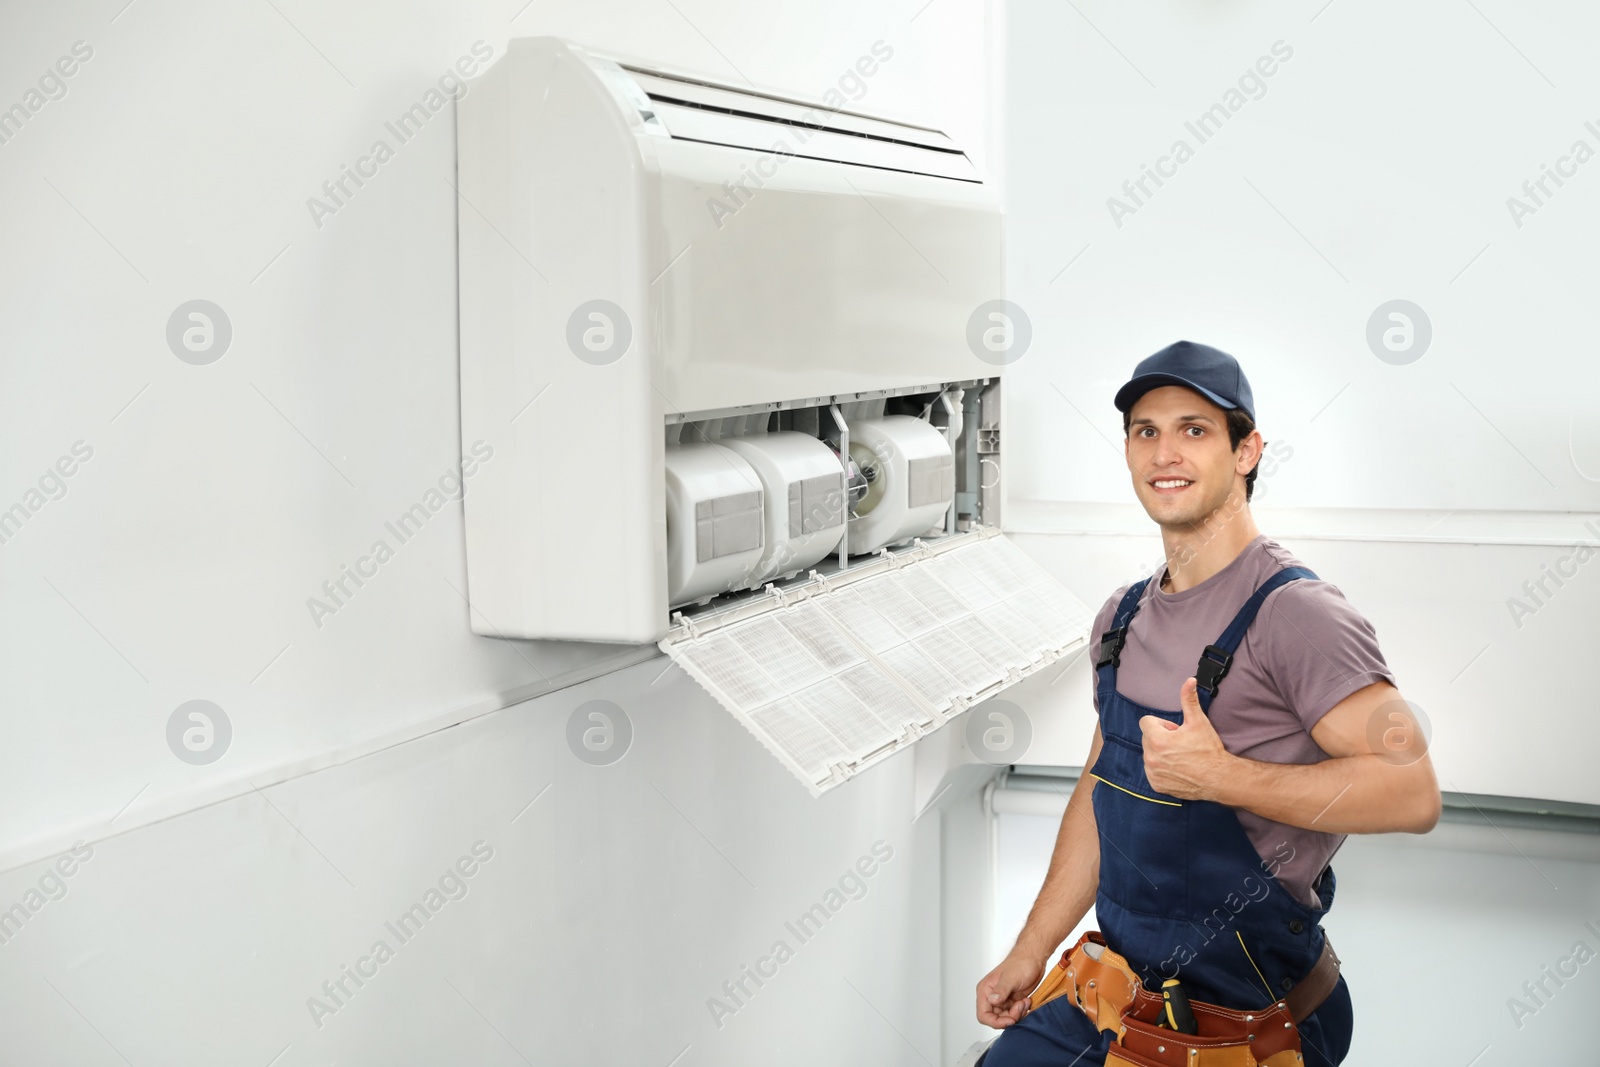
<point>1111,647</point>
<point>1210,671</point>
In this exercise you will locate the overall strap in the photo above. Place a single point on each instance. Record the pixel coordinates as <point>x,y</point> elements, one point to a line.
<point>1217,658</point>
<point>1112,640</point>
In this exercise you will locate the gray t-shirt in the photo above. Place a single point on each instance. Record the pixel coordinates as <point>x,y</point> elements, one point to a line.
<point>1307,649</point>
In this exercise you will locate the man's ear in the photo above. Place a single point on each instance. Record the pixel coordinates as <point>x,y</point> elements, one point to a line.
<point>1250,450</point>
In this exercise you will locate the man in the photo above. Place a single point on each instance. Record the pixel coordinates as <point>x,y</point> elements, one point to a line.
<point>1203,826</point>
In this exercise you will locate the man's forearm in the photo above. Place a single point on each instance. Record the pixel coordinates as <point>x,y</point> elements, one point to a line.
<point>1361,794</point>
<point>1070,885</point>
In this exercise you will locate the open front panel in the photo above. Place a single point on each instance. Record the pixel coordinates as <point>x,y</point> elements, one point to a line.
<point>840,673</point>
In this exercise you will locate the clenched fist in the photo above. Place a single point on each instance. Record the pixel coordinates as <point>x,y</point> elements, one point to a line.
<point>1003,994</point>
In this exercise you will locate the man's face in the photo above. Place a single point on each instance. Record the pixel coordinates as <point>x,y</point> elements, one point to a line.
<point>1178,454</point>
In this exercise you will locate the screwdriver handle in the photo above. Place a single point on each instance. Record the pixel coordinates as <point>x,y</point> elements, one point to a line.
<point>1176,1013</point>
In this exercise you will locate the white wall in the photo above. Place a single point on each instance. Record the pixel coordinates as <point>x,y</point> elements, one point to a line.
<point>1376,166</point>
<point>218,498</point>
<point>180,560</point>
<point>615,903</point>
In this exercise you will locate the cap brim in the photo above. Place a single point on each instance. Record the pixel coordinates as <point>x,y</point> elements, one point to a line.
<point>1141,385</point>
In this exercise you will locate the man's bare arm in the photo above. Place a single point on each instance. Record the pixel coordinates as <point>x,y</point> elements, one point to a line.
<point>1068,893</point>
<point>1074,875</point>
<point>1379,780</point>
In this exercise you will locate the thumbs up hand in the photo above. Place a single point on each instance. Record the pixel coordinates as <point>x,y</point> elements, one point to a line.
<point>1184,760</point>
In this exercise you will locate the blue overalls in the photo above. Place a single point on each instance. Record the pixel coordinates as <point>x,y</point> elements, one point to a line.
<point>1183,892</point>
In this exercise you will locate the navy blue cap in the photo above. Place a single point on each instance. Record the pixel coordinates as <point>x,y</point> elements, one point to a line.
<point>1209,371</point>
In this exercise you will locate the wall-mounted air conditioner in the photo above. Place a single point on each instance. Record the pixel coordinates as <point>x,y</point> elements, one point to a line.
<point>719,340</point>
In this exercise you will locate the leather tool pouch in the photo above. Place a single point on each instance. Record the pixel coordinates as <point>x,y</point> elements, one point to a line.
<point>1146,1045</point>
<point>1109,992</point>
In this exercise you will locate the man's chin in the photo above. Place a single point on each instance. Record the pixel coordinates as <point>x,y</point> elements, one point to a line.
<point>1177,517</point>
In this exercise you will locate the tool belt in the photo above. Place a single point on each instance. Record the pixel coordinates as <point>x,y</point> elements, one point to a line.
<point>1104,985</point>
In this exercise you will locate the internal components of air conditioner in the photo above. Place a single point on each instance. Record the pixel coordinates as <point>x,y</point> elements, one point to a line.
<point>805,499</point>
<point>910,475</point>
<point>715,528</point>
<point>856,484</point>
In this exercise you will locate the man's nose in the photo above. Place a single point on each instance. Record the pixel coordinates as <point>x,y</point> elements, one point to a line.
<point>1167,450</point>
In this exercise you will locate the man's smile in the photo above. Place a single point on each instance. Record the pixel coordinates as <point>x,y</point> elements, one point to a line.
<point>1170,486</point>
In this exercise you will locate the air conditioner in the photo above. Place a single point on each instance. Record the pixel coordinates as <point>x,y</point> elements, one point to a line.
<point>721,342</point>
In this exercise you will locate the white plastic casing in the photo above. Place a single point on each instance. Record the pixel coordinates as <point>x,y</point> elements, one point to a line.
<point>821,279</point>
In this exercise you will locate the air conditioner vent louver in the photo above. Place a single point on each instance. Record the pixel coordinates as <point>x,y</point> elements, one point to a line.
<point>844,672</point>
<point>709,114</point>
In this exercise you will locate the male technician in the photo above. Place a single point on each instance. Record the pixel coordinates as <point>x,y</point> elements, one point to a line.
<point>1247,723</point>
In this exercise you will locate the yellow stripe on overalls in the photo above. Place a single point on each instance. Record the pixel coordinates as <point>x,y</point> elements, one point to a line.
<point>1252,960</point>
<point>1131,793</point>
